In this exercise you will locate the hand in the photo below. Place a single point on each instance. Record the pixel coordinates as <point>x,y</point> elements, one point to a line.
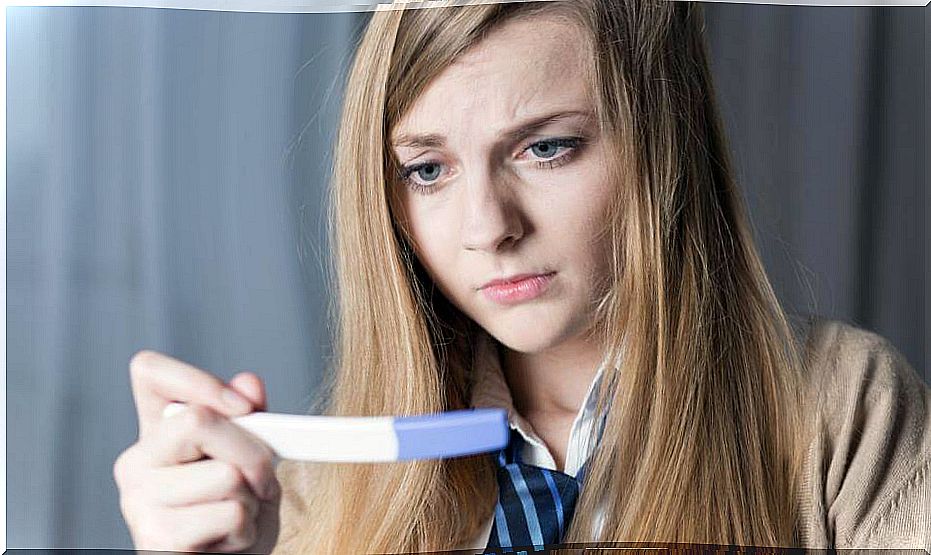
<point>195,481</point>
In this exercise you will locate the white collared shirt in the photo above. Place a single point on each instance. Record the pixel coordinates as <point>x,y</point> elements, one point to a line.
<point>490,390</point>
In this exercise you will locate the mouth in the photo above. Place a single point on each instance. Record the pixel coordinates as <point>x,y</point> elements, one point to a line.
<point>518,288</point>
<point>516,278</point>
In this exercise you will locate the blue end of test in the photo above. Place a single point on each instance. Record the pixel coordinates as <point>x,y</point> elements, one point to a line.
<point>451,434</point>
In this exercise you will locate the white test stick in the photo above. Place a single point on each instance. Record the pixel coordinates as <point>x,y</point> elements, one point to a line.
<point>375,439</point>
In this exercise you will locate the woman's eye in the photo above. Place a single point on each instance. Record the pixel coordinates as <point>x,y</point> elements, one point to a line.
<point>544,150</point>
<point>550,148</point>
<point>421,176</point>
<point>428,172</point>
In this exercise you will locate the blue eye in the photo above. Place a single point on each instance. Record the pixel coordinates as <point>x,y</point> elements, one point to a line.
<point>420,177</point>
<point>553,153</point>
<point>545,149</point>
<point>428,172</point>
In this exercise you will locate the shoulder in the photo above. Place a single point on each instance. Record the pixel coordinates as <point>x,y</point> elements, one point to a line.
<point>850,368</point>
<point>869,476</point>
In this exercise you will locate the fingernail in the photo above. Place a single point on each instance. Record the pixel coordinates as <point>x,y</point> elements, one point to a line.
<point>236,401</point>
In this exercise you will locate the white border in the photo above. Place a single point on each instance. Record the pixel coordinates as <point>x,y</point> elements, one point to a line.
<point>833,3</point>
<point>266,6</point>
<point>3,274</point>
<point>260,6</point>
<point>321,6</point>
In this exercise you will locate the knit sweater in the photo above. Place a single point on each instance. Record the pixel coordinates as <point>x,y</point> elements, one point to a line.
<point>866,479</point>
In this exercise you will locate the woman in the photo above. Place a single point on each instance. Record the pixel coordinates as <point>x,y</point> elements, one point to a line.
<point>574,145</point>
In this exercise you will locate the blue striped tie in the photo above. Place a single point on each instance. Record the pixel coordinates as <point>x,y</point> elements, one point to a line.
<point>535,504</point>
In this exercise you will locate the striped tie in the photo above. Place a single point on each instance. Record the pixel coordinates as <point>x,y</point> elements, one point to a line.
<point>535,504</point>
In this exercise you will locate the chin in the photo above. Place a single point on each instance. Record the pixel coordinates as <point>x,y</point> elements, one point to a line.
<point>525,338</point>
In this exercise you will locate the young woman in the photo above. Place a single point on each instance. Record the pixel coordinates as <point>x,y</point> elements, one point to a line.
<point>533,209</point>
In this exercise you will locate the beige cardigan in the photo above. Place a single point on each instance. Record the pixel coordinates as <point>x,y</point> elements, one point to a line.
<point>867,476</point>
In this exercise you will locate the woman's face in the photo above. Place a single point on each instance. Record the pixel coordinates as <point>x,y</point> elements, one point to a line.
<point>504,173</point>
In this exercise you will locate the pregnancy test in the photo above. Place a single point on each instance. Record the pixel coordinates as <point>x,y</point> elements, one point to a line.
<point>375,438</point>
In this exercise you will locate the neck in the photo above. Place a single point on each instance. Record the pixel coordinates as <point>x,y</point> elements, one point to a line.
<point>554,381</point>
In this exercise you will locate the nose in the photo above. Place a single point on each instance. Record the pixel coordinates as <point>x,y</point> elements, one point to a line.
<point>491,215</point>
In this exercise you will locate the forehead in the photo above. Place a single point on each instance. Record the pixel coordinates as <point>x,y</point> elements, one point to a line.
<point>521,69</point>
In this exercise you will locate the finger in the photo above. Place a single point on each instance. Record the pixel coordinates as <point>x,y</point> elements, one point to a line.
<point>251,387</point>
<point>200,482</point>
<point>197,526</point>
<point>158,379</point>
<point>198,431</point>
<point>232,544</point>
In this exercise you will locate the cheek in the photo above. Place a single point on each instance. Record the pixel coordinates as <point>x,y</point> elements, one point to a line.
<point>414,222</point>
<point>582,228</point>
<point>434,244</point>
<point>414,230</point>
<point>583,202</point>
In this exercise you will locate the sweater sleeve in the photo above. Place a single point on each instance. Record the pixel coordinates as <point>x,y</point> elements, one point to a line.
<point>868,477</point>
<point>296,479</point>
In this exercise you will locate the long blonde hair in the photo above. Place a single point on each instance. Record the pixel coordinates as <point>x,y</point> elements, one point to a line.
<point>702,441</point>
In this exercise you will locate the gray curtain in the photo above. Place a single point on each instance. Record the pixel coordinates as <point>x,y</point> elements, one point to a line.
<point>166,172</point>
<point>827,121</point>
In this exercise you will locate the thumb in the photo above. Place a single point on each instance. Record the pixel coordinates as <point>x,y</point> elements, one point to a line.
<point>251,387</point>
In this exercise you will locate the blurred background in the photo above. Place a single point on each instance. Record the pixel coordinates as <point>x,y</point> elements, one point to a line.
<point>166,176</point>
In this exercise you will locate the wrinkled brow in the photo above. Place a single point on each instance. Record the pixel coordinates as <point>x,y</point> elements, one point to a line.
<point>522,129</point>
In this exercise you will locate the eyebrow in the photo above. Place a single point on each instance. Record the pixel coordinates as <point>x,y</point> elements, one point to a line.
<point>521,130</point>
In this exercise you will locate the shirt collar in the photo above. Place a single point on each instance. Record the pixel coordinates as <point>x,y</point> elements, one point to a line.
<point>490,389</point>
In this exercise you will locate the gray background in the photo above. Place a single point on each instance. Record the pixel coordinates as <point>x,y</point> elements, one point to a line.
<point>165,176</point>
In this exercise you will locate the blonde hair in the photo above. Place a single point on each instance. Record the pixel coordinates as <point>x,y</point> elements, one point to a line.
<point>702,441</point>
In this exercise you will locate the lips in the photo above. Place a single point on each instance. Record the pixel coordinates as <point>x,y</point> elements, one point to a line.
<point>517,289</point>
<point>513,279</point>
